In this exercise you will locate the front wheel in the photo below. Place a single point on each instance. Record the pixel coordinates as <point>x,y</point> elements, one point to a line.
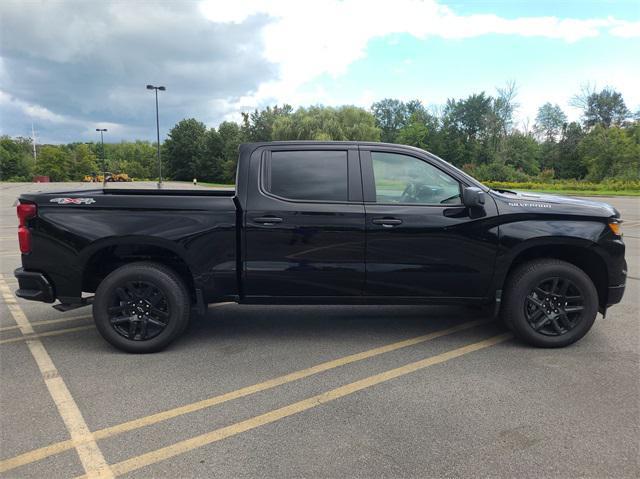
<point>141,307</point>
<point>550,303</point>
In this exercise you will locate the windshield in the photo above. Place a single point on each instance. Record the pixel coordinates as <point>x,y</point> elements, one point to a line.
<point>470,179</point>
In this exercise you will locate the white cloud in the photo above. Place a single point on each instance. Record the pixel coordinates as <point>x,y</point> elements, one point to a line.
<point>308,39</point>
<point>36,112</point>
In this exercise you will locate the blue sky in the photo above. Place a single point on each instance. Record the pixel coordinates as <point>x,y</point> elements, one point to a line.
<point>581,9</point>
<point>69,67</point>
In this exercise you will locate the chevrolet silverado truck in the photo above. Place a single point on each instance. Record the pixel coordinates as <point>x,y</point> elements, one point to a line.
<point>322,223</point>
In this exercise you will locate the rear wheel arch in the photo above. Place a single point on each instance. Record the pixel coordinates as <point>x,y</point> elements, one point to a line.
<point>101,261</point>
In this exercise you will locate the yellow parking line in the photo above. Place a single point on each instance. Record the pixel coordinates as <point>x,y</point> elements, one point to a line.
<point>196,442</point>
<point>88,451</point>
<point>49,321</point>
<point>57,332</point>
<point>56,448</point>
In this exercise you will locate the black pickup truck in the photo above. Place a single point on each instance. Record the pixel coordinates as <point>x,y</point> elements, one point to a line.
<point>323,223</point>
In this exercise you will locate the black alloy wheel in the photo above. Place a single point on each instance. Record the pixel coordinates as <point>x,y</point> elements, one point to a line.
<point>549,303</point>
<point>139,310</point>
<point>554,307</point>
<point>141,307</point>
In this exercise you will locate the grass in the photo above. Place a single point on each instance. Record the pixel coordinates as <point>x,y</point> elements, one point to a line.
<point>572,187</point>
<point>217,185</point>
<point>584,192</point>
<point>575,188</point>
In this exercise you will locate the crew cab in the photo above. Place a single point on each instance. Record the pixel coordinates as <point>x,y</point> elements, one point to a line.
<point>322,223</point>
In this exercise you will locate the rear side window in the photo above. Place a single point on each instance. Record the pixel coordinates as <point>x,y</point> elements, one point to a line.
<point>308,175</point>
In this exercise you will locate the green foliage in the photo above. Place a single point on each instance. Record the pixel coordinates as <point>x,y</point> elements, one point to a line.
<point>521,152</point>
<point>605,108</point>
<point>55,162</point>
<point>83,162</point>
<point>549,121</point>
<point>231,137</point>
<point>185,149</point>
<point>628,186</point>
<point>475,133</point>
<point>326,123</point>
<point>16,160</point>
<point>611,153</point>
<point>391,116</point>
<point>258,126</point>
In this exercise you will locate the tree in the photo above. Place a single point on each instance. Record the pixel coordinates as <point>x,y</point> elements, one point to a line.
<point>258,126</point>
<point>522,152</point>
<point>504,106</point>
<point>138,159</point>
<point>185,149</point>
<point>391,116</point>
<point>327,123</point>
<point>611,153</point>
<point>15,158</point>
<point>549,121</point>
<point>209,165</point>
<point>54,162</point>
<point>467,134</point>
<point>606,108</point>
<point>83,162</point>
<point>570,163</point>
<point>231,137</point>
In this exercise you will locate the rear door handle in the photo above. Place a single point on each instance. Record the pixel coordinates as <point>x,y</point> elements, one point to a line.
<point>267,220</point>
<point>387,222</point>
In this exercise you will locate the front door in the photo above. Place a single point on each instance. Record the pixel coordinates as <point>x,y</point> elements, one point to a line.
<point>304,224</point>
<point>421,240</point>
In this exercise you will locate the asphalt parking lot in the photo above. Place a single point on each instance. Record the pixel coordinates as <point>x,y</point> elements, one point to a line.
<point>333,391</point>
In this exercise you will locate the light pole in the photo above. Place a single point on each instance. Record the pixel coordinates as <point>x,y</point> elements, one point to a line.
<point>156,88</point>
<point>104,162</point>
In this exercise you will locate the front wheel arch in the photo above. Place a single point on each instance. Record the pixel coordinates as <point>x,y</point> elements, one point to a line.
<point>581,254</point>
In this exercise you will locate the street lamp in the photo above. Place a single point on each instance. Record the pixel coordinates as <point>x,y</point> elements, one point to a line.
<point>104,162</point>
<point>156,88</point>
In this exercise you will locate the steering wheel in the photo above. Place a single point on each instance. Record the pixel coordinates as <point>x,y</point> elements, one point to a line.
<point>407,196</point>
<point>450,198</point>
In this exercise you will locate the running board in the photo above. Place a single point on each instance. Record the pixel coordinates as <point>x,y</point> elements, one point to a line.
<point>63,307</point>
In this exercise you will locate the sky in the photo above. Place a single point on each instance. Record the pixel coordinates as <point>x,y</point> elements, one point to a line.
<point>69,67</point>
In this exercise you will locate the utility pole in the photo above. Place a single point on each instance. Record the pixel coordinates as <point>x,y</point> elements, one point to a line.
<point>156,88</point>
<point>104,161</point>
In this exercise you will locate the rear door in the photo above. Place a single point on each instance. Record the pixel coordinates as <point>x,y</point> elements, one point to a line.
<point>421,240</point>
<point>304,223</point>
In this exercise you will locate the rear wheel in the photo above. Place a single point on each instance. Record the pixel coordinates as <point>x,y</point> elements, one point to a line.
<point>141,307</point>
<point>550,303</point>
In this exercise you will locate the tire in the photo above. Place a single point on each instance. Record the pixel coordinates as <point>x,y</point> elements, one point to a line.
<point>141,307</point>
<point>549,303</point>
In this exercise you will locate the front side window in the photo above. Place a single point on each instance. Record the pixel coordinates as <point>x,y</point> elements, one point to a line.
<point>308,175</point>
<point>404,179</point>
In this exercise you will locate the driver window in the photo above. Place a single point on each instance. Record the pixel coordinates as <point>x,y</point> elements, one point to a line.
<point>404,179</point>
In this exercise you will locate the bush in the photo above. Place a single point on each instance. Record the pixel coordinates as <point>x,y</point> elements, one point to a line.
<point>568,185</point>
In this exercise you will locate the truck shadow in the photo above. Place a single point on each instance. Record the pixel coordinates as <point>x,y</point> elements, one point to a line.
<point>232,321</point>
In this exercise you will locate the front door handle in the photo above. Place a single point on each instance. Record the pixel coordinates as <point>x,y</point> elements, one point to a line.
<point>267,220</point>
<point>387,222</point>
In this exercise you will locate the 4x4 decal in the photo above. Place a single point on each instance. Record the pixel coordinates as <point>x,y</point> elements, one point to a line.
<point>73,201</point>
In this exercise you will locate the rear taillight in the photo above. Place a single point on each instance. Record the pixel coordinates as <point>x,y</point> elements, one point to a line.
<point>25,211</point>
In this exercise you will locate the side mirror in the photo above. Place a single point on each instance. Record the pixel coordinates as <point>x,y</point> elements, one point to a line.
<point>473,197</point>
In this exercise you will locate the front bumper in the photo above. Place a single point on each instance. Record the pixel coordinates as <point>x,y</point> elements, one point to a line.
<point>615,294</point>
<point>34,286</point>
